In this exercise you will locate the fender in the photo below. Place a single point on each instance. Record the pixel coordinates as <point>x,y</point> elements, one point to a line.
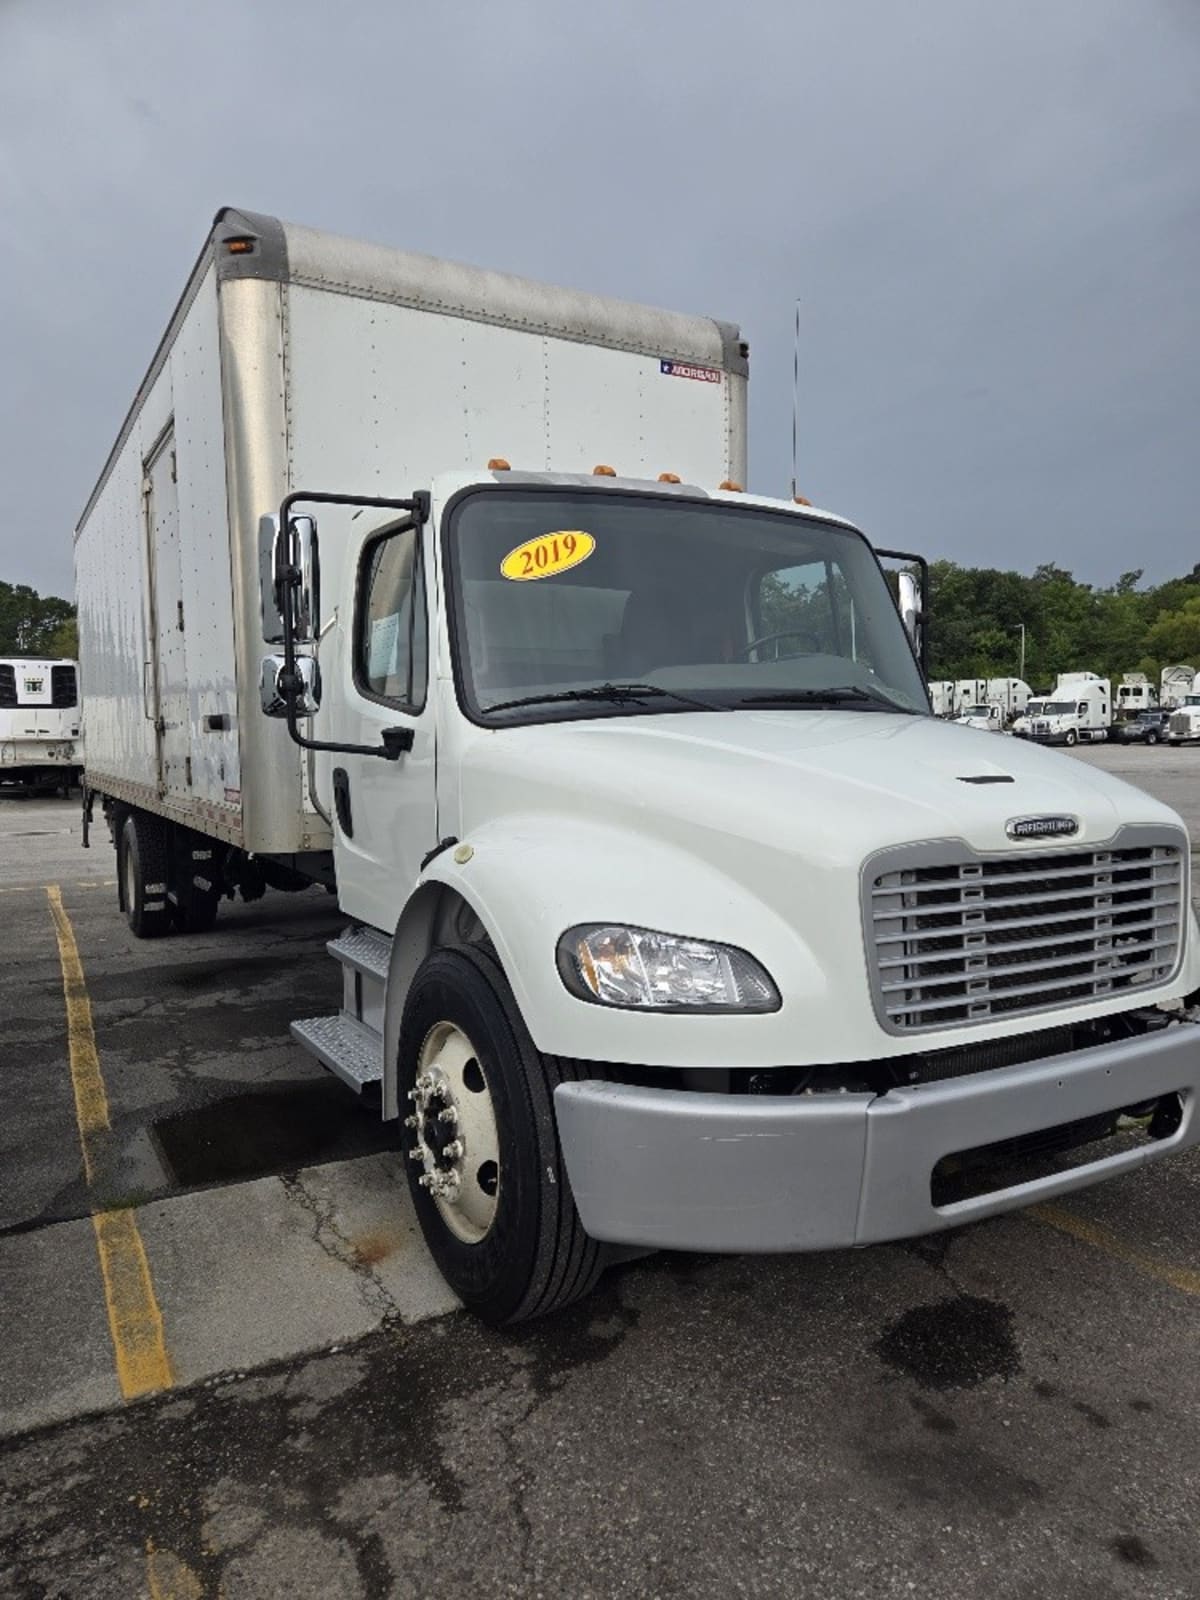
<point>530,877</point>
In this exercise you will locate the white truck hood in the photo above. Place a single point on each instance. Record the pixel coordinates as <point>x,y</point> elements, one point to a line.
<point>827,784</point>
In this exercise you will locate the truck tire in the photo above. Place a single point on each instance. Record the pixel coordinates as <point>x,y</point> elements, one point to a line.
<point>143,867</point>
<point>1071,738</point>
<point>1152,737</point>
<point>488,1181</point>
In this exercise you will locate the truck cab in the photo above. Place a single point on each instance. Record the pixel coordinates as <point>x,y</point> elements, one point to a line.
<point>1076,714</point>
<point>1183,726</point>
<point>987,718</point>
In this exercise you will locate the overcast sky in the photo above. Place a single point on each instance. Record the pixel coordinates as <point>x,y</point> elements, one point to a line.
<point>990,213</point>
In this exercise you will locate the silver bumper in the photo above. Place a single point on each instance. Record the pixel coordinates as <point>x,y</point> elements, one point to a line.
<point>672,1169</point>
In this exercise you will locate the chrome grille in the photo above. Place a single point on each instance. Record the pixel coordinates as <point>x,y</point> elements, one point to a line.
<point>979,938</point>
<point>1180,723</point>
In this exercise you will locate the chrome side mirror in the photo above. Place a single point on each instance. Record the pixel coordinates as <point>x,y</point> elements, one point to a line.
<point>908,602</point>
<point>271,686</point>
<point>272,617</point>
<point>296,578</point>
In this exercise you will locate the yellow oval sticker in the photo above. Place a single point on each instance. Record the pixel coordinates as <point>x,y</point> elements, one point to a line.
<point>547,554</point>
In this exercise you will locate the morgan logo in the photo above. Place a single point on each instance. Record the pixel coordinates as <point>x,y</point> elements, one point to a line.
<point>684,369</point>
<point>1042,827</point>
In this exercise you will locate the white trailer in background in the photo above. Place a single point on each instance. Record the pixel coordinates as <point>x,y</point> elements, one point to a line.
<point>627,784</point>
<point>39,723</point>
<point>969,692</point>
<point>1010,694</point>
<point>941,696</point>
<point>1135,693</point>
<point>1175,684</point>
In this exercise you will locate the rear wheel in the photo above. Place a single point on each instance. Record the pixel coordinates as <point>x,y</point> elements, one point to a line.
<point>144,866</point>
<point>484,1164</point>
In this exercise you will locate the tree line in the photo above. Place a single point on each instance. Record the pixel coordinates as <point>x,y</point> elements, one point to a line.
<point>36,625</point>
<point>976,615</point>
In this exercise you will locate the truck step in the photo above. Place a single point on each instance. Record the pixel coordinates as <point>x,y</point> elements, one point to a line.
<point>353,1052</point>
<point>364,950</point>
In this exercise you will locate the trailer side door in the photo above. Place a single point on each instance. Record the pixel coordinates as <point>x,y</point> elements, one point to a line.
<point>167,689</point>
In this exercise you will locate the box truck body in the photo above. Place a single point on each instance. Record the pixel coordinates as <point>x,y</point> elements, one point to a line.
<point>627,782</point>
<point>40,744</point>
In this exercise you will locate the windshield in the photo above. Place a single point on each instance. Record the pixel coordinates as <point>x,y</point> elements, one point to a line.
<point>976,711</point>
<point>1060,708</point>
<point>595,594</point>
<point>1191,699</point>
<point>1034,708</point>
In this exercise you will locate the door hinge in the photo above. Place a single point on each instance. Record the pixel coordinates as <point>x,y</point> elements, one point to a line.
<point>187,769</point>
<point>179,609</point>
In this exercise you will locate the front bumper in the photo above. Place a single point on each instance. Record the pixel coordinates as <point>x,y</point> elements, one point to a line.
<point>673,1169</point>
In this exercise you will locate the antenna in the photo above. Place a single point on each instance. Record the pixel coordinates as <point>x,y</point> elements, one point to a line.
<point>795,398</point>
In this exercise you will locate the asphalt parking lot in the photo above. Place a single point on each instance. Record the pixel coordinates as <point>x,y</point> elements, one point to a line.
<point>263,1389</point>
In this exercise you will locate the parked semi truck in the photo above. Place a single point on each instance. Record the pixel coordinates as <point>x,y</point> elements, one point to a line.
<point>1078,712</point>
<point>39,724</point>
<point>673,916</point>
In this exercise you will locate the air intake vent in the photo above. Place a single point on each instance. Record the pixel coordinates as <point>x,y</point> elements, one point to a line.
<point>8,684</point>
<point>63,689</point>
<point>976,939</point>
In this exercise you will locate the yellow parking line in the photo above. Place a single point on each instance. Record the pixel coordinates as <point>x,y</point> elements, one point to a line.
<point>34,888</point>
<point>1186,1279</point>
<point>134,1319</point>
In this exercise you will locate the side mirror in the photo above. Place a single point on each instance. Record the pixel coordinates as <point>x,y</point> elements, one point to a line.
<point>908,602</point>
<point>296,578</point>
<point>272,686</point>
<point>272,617</point>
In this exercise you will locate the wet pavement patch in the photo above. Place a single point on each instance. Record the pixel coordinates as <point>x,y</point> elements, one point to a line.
<point>952,1344</point>
<point>1134,1551</point>
<point>266,1131</point>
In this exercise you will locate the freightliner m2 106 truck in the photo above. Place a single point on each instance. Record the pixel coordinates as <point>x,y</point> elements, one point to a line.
<point>674,918</point>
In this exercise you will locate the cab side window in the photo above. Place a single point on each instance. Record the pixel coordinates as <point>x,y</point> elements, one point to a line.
<point>392,648</point>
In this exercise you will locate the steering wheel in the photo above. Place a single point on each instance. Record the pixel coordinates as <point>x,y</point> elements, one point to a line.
<point>773,638</point>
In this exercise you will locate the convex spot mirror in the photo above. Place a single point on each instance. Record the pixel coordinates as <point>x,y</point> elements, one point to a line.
<point>272,692</point>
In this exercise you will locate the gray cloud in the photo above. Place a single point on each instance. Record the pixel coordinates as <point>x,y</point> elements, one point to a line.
<point>990,214</point>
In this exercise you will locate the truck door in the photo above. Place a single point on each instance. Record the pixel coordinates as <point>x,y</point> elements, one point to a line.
<point>385,818</point>
<point>167,697</point>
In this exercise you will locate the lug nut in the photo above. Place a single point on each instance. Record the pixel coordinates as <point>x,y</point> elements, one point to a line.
<point>450,1114</point>
<point>416,1153</point>
<point>411,1122</point>
<point>453,1150</point>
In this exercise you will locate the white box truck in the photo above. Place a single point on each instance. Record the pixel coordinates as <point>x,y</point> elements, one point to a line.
<point>1176,684</point>
<point>1135,693</point>
<point>39,724</point>
<point>675,919</point>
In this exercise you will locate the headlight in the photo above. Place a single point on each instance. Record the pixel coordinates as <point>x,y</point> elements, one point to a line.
<point>640,970</point>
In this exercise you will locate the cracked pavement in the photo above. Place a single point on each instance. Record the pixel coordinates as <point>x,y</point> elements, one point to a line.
<point>1007,1410</point>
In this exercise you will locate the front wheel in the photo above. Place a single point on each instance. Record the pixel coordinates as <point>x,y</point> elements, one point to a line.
<point>1151,738</point>
<point>1071,738</point>
<point>481,1145</point>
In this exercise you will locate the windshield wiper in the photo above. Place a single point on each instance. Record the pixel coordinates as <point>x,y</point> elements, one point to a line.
<point>836,694</point>
<point>612,693</point>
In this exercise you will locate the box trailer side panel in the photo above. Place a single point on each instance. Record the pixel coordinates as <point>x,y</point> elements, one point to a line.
<point>162,709</point>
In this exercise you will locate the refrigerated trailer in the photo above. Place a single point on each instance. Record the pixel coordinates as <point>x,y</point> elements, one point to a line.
<point>673,916</point>
<point>39,723</point>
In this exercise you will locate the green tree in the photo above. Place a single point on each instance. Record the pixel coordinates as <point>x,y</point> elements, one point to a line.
<point>30,623</point>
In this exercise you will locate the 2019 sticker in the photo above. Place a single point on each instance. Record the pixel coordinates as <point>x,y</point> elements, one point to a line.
<point>547,554</point>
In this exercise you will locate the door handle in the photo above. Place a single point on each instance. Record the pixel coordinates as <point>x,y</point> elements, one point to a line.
<point>341,801</point>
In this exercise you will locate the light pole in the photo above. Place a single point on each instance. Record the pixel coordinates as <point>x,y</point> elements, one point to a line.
<point>1021,673</point>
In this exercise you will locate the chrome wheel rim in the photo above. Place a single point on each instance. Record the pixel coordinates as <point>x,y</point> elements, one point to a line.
<point>453,1122</point>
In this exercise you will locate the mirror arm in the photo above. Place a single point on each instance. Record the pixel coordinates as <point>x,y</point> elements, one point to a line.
<point>394,741</point>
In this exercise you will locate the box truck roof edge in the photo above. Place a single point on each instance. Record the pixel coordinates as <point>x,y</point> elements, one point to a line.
<point>247,244</point>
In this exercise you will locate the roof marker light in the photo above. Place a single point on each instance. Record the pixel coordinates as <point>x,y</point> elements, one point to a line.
<point>729,486</point>
<point>604,472</point>
<point>800,500</point>
<point>668,477</point>
<point>498,464</point>
<point>239,247</point>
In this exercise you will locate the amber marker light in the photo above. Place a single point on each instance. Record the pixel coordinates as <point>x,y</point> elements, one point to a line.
<point>498,464</point>
<point>239,247</point>
<point>604,472</point>
<point>730,487</point>
<point>668,477</point>
<point>800,500</point>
